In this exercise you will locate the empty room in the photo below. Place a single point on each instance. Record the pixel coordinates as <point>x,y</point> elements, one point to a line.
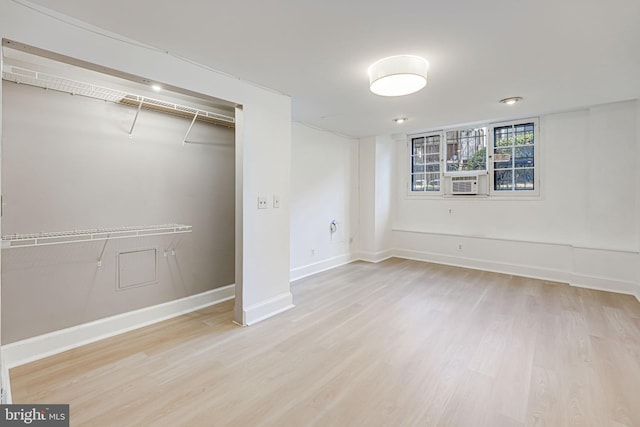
<point>320,213</point>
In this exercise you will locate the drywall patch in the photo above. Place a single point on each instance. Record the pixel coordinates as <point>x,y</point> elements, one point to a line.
<point>137,268</point>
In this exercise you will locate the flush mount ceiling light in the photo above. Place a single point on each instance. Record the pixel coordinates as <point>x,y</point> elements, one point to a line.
<point>511,101</point>
<point>400,120</point>
<point>398,75</point>
<point>156,87</point>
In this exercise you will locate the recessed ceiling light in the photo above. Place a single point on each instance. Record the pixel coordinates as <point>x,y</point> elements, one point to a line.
<point>398,75</point>
<point>511,101</point>
<point>400,120</point>
<point>156,87</point>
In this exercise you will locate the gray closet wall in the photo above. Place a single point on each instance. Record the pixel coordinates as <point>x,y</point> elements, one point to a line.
<point>68,163</point>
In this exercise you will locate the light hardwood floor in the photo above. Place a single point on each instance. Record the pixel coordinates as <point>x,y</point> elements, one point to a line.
<point>399,343</point>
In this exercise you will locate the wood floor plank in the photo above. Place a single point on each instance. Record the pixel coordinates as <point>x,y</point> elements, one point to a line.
<point>395,343</point>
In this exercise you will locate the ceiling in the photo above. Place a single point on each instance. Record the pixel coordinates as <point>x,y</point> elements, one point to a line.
<point>558,55</point>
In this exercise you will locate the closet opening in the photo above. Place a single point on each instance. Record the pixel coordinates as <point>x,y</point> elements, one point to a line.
<point>118,193</point>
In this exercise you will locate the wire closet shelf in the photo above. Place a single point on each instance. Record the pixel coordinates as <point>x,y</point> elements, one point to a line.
<point>63,84</point>
<point>89,235</point>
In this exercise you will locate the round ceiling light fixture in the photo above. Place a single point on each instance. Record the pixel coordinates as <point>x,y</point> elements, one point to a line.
<point>511,101</point>
<point>400,120</point>
<point>398,75</point>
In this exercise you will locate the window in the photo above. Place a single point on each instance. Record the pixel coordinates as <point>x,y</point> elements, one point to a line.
<point>466,150</point>
<point>425,163</point>
<point>514,157</point>
<point>502,156</point>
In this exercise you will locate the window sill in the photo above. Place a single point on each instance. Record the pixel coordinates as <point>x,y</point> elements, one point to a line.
<point>495,197</point>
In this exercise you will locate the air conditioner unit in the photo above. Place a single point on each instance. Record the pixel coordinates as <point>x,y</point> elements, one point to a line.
<point>464,185</point>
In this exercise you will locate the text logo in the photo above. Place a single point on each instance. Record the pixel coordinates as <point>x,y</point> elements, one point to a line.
<point>34,415</point>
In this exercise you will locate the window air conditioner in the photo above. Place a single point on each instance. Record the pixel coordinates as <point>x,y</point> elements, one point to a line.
<point>461,185</point>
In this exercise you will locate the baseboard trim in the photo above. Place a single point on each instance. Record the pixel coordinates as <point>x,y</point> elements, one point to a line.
<point>604,284</point>
<point>478,264</point>
<point>31,349</point>
<point>320,266</point>
<point>577,280</point>
<point>376,257</point>
<point>269,308</point>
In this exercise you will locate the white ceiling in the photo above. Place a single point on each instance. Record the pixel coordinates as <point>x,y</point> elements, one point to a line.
<point>557,54</point>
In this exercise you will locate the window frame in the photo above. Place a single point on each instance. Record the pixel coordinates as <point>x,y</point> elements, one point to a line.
<point>423,193</point>
<point>535,192</point>
<point>445,152</point>
<point>491,193</point>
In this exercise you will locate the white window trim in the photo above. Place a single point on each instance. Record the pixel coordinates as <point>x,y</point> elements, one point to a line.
<point>515,194</point>
<point>534,194</point>
<point>408,162</point>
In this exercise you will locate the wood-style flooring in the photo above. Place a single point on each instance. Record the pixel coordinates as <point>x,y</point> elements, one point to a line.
<point>399,343</point>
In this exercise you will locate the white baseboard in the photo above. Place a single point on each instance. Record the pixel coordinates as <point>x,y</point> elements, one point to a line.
<point>376,257</point>
<point>318,267</point>
<point>587,281</point>
<point>604,284</point>
<point>577,280</point>
<point>30,349</point>
<point>478,264</point>
<point>265,309</point>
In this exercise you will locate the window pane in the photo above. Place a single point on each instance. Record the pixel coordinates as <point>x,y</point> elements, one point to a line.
<point>466,149</point>
<point>524,134</point>
<point>503,136</point>
<point>419,160</point>
<point>433,182</point>
<point>503,179</point>
<point>503,158</point>
<point>432,158</point>
<point>418,182</point>
<point>418,146</point>
<point>433,168</point>
<point>524,179</point>
<point>433,148</point>
<point>425,163</point>
<point>524,157</point>
<point>514,150</point>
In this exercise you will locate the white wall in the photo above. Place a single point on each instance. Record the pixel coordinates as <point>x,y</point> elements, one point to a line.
<point>324,169</point>
<point>584,228</point>
<point>367,196</point>
<point>377,159</point>
<point>265,149</point>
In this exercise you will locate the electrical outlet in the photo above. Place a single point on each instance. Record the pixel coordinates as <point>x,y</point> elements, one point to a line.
<point>459,246</point>
<point>313,252</point>
<point>450,211</point>
<point>262,202</point>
